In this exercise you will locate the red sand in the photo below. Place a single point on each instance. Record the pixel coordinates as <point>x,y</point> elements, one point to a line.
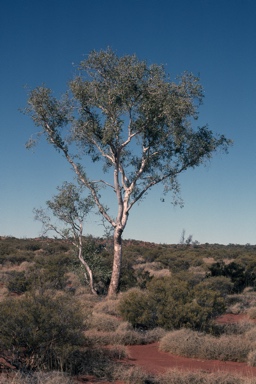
<point>150,359</point>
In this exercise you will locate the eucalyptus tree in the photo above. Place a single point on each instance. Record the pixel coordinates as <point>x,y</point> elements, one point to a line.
<point>70,209</point>
<point>132,119</point>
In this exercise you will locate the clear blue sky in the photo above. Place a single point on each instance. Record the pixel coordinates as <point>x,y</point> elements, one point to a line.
<point>43,41</point>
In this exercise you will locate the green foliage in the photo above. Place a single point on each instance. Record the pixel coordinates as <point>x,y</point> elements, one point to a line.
<point>135,121</point>
<point>134,307</point>
<point>221,284</point>
<point>40,331</point>
<point>241,274</point>
<point>18,282</point>
<point>171,303</point>
<point>131,277</point>
<point>49,272</point>
<point>100,261</point>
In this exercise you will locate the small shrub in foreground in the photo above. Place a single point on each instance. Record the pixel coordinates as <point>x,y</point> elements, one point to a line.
<point>40,331</point>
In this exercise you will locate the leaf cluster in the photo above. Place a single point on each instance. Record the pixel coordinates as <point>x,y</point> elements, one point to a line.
<point>132,117</point>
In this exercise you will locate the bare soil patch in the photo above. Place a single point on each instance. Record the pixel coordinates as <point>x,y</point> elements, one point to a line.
<point>154,361</point>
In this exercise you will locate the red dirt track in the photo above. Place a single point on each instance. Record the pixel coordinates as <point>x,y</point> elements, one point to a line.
<point>154,361</point>
<point>151,360</point>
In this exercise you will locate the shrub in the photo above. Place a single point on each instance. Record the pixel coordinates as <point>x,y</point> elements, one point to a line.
<point>49,272</point>
<point>98,362</point>
<point>40,331</point>
<point>135,308</point>
<point>218,283</point>
<point>235,271</point>
<point>170,303</point>
<point>18,283</point>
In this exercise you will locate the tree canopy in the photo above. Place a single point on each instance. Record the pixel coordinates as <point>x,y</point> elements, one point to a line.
<point>135,121</point>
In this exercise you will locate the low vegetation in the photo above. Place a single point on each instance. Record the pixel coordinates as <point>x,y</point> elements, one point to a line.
<point>185,342</point>
<point>52,327</point>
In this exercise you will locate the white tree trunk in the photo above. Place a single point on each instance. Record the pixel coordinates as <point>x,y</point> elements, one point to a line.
<point>117,262</point>
<point>88,274</point>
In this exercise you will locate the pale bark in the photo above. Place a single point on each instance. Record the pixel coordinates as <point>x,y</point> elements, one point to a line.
<point>117,262</point>
<point>88,274</point>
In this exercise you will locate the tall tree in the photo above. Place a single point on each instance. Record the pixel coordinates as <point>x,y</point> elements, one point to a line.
<point>70,209</point>
<point>132,119</point>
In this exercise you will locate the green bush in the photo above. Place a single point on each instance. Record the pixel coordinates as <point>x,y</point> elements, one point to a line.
<point>241,275</point>
<point>171,303</point>
<point>134,306</point>
<point>18,283</point>
<point>39,331</point>
<point>218,283</point>
<point>49,272</point>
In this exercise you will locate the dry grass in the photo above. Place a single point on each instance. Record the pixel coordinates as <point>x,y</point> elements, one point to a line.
<point>154,269</point>
<point>252,313</point>
<point>239,328</point>
<point>187,343</point>
<point>4,292</point>
<point>154,335</point>
<point>37,378</point>
<point>123,337</point>
<point>133,375</point>
<point>199,377</point>
<point>124,326</point>
<point>251,359</point>
<point>183,342</point>
<point>251,334</point>
<point>109,307</point>
<point>24,266</point>
<point>102,322</point>
<point>113,338</point>
<point>241,303</point>
<point>208,260</point>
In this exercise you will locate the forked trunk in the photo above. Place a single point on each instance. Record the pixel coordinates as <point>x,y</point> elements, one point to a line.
<point>117,262</point>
